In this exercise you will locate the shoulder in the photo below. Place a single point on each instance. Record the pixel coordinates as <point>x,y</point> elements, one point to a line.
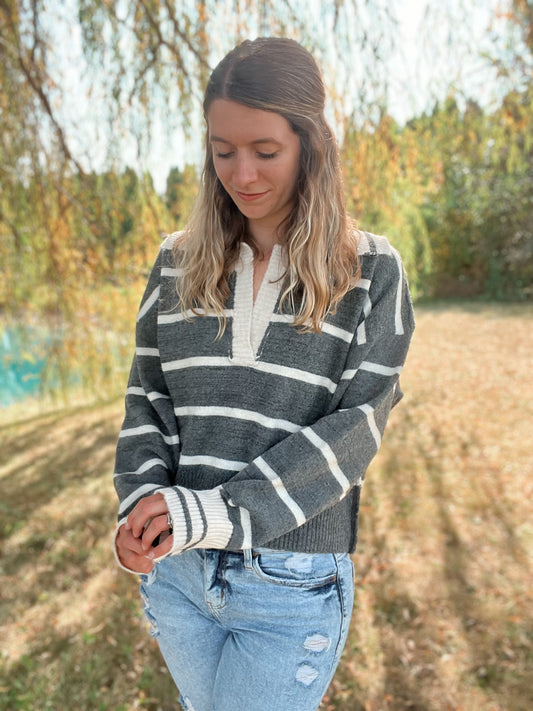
<point>169,251</point>
<point>371,245</point>
<point>383,272</point>
<point>378,258</point>
<point>170,240</point>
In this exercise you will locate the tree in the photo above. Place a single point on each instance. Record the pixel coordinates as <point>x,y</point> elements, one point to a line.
<point>180,192</point>
<point>385,192</point>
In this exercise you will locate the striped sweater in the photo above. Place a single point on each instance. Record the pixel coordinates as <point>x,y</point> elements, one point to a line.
<point>262,437</point>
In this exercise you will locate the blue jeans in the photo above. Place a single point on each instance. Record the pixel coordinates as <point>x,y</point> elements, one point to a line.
<point>259,630</point>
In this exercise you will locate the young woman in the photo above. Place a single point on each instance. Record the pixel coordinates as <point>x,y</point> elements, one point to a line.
<point>269,345</point>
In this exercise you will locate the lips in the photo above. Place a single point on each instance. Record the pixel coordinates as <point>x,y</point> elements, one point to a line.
<point>250,197</point>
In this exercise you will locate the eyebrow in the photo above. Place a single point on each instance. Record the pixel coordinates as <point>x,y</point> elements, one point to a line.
<point>218,139</point>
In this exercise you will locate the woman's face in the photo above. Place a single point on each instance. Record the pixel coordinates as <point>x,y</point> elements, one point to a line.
<point>256,158</point>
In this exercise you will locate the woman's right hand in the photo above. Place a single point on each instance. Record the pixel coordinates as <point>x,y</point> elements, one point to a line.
<point>131,553</point>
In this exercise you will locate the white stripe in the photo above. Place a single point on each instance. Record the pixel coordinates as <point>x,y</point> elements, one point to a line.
<point>361,334</point>
<point>133,390</point>
<point>380,369</point>
<point>280,490</point>
<point>169,240</point>
<point>264,367</point>
<point>361,330</point>
<point>170,272</point>
<point>146,429</point>
<point>372,368</point>
<point>383,246</point>
<point>363,284</point>
<point>216,462</point>
<point>296,374</point>
<point>282,318</point>
<point>369,412</point>
<point>363,246</point>
<point>330,458</point>
<point>140,351</point>
<point>349,374</point>
<point>137,494</point>
<point>144,467</point>
<point>196,362</point>
<point>154,395</point>
<point>328,328</point>
<point>246,526</point>
<point>150,301</point>
<point>197,528</point>
<point>398,318</point>
<point>238,413</point>
<point>163,319</point>
<point>337,332</point>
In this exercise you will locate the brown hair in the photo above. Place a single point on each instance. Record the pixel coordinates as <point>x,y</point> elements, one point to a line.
<point>279,75</point>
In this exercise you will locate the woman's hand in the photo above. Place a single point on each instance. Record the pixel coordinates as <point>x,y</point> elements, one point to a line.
<point>135,539</point>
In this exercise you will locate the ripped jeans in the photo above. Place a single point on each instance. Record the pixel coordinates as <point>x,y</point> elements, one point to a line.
<point>258,630</point>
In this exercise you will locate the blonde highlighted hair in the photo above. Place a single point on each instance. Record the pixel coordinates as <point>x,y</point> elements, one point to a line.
<point>279,75</point>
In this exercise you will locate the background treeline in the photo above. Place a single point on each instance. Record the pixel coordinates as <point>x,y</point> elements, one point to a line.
<point>452,187</point>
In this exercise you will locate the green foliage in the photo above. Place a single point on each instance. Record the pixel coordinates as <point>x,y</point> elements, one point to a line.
<point>453,190</point>
<point>385,194</point>
<point>180,192</point>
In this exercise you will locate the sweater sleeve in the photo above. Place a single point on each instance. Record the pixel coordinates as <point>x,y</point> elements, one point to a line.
<point>148,445</point>
<point>317,466</point>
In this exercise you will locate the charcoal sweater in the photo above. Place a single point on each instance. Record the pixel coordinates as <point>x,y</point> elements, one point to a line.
<point>263,436</point>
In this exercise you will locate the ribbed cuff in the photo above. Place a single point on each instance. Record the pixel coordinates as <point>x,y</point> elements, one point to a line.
<point>119,563</point>
<point>199,518</point>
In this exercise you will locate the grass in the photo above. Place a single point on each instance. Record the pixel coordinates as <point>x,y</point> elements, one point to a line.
<point>442,620</point>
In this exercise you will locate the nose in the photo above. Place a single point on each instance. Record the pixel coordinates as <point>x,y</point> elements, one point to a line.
<point>244,171</point>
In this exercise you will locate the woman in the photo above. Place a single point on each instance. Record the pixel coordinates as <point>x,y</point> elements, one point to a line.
<point>269,345</point>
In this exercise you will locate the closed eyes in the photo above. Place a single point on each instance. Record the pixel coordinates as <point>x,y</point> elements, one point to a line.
<point>263,156</point>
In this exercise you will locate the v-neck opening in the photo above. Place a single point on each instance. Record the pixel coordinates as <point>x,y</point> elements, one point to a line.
<point>251,320</point>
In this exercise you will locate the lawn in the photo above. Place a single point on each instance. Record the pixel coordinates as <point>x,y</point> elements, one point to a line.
<point>442,618</point>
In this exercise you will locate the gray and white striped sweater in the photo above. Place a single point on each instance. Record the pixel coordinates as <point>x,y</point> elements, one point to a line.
<point>263,437</point>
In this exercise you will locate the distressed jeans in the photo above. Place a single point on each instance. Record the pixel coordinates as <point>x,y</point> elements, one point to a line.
<point>258,630</point>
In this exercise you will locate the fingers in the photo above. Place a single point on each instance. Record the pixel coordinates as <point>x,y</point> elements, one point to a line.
<point>131,553</point>
<point>155,528</point>
<point>135,539</point>
<point>126,542</point>
<point>162,549</point>
<point>146,510</point>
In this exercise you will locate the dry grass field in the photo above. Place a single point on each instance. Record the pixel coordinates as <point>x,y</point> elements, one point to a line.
<point>443,612</point>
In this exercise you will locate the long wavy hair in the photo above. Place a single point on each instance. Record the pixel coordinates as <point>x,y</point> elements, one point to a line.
<point>279,75</point>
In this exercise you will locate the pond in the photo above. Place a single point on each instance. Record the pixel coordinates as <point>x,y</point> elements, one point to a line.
<point>23,355</point>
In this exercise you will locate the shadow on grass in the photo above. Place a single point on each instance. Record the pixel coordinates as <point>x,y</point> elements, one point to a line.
<point>56,541</point>
<point>73,631</point>
<point>498,643</point>
<point>109,664</point>
<point>48,453</point>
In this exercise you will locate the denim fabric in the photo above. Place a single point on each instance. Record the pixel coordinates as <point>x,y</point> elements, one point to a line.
<point>259,630</point>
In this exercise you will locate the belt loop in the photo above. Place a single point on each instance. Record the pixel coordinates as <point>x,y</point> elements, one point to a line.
<point>247,554</point>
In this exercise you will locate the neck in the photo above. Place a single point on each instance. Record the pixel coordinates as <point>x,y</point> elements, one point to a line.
<point>263,239</point>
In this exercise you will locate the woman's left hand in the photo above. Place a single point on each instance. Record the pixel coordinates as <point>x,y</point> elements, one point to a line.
<point>148,520</point>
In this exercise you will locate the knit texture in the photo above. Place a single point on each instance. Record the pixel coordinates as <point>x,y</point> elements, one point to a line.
<point>263,437</point>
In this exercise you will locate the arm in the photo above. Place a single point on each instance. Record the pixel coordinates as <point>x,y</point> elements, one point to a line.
<point>316,467</point>
<point>148,446</point>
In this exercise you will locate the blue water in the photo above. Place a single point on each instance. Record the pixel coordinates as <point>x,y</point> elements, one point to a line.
<point>23,354</point>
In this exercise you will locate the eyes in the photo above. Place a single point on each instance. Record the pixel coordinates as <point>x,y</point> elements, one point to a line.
<point>262,156</point>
